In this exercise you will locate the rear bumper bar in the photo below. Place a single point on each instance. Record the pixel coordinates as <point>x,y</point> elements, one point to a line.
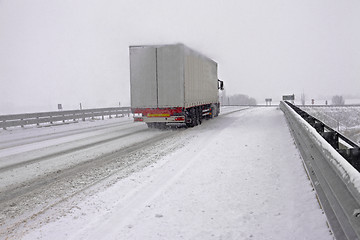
<point>170,119</point>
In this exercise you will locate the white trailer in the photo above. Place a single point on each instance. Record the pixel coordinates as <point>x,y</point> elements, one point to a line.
<point>172,83</point>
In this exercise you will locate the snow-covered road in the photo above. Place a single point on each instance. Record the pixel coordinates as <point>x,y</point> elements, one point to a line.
<point>239,176</point>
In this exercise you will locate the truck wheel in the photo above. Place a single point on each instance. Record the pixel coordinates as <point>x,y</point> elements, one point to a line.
<point>199,115</point>
<point>195,116</point>
<point>213,111</point>
<point>217,109</point>
<point>192,117</point>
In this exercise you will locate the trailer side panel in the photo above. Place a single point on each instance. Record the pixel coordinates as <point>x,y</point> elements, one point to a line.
<point>170,76</point>
<point>201,86</point>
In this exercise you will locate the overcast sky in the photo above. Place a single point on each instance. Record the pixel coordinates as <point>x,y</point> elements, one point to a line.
<point>72,51</point>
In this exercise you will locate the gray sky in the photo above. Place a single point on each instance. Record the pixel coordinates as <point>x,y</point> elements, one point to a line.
<point>72,51</point>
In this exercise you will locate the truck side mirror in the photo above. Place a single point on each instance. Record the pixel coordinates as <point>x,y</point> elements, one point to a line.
<point>220,84</point>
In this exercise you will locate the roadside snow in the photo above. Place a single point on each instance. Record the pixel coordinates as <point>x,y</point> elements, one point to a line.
<point>344,119</point>
<point>239,176</point>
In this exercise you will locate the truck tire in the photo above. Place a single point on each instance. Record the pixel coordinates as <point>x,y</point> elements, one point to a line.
<point>217,109</point>
<point>199,115</point>
<point>192,117</point>
<point>213,110</point>
<point>195,116</point>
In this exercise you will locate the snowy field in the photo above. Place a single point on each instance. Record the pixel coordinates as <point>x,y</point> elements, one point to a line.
<point>238,176</point>
<point>346,119</point>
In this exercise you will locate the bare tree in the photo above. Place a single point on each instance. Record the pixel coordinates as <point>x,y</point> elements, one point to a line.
<point>338,100</point>
<point>241,99</point>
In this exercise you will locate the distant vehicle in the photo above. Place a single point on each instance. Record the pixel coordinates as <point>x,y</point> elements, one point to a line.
<point>172,84</point>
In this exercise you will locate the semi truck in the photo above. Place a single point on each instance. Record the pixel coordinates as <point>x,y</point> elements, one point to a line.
<point>172,84</point>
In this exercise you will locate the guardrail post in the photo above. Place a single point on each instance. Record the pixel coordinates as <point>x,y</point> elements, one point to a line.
<point>352,155</point>
<point>4,125</point>
<point>302,114</point>
<point>319,127</point>
<point>22,122</point>
<point>332,138</point>
<point>310,120</point>
<point>37,124</point>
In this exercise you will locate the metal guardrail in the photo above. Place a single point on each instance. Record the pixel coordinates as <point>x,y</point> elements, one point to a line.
<point>51,117</point>
<point>258,105</point>
<point>333,168</point>
<point>324,105</point>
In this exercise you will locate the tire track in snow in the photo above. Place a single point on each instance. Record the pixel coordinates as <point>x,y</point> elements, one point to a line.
<point>87,174</point>
<point>100,161</point>
<point>49,136</point>
<point>133,203</point>
<point>63,152</point>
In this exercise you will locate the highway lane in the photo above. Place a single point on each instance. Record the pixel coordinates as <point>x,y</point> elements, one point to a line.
<point>40,168</point>
<point>33,176</point>
<point>239,176</point>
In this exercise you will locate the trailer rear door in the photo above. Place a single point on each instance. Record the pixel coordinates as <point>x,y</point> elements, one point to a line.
<point>143,82</point>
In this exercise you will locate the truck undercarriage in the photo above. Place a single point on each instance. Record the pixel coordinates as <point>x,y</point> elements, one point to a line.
<point>192,116</point>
